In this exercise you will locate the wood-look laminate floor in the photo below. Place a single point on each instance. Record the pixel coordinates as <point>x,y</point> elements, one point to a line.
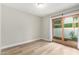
<point>41,47</point>
<point>67,43</point>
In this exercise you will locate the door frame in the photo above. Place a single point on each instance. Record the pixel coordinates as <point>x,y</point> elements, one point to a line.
<point>62,23</point>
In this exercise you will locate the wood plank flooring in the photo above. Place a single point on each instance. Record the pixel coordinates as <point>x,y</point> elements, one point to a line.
<point>40,47</point>
<point>70,43</point>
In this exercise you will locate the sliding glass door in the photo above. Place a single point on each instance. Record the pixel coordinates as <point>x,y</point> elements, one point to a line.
<point>65,30</point>
<point>57,28</point>
<point>71,28</point>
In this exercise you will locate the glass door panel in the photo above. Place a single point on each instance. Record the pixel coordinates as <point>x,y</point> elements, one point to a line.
<point>68,27</point>
<point>71,28</point>
<point>57,28</point>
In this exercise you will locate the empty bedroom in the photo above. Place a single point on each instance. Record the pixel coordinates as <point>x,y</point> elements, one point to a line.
<point>39,28</point>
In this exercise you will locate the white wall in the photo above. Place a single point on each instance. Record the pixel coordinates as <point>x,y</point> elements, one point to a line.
<point>47,28</point>
<point>18,27</point>
<point>0,27</point>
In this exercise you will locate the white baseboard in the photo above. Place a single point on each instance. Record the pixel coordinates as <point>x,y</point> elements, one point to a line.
<point>46,39</point>
<point>12,45</point>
